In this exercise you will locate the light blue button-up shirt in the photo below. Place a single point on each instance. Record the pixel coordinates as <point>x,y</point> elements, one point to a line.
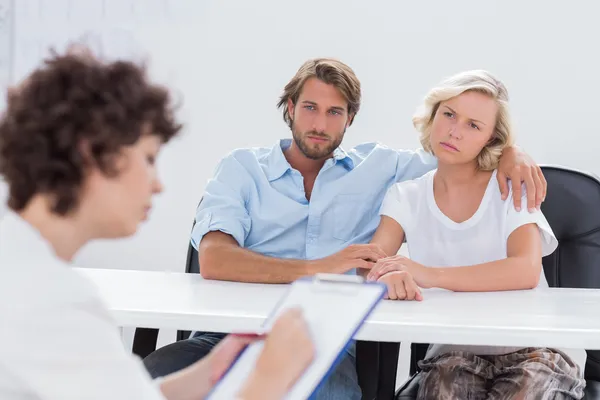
<point>259,199</point>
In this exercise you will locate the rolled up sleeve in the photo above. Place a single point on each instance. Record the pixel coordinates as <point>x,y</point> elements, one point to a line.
<point>223,206</point>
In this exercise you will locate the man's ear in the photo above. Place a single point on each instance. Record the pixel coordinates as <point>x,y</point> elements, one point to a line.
<point>291,108</point>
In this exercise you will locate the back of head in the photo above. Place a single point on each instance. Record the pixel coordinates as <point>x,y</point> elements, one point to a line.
<point>478,81</point>
<point>72,113</point>
<point>330,71</point>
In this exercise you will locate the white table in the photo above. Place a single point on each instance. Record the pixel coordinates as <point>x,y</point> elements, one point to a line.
<point>566,318</point>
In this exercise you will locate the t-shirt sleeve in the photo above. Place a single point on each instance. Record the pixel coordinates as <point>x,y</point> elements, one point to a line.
<point>516,219</point>
<point>396,205</point>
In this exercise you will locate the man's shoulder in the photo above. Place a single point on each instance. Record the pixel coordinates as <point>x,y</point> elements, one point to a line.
<point>379,151</point>
<point>247,154</point>
<point>248,160</point>
<point>367,148</point>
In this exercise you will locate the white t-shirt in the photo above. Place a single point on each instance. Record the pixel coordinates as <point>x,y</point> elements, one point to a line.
<point>435,240</point>
<point>57,340</point>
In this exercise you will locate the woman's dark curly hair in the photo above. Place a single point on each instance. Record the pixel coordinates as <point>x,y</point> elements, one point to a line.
<point>73,102</point>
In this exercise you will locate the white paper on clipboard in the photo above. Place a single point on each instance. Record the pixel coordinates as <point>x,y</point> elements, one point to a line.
<point>334,307</point>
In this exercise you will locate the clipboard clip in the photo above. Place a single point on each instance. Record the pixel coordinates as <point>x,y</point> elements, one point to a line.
<point>341,284</point>
<point>338,278</point>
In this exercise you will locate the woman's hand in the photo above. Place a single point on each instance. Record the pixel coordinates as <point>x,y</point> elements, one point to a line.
<point>422,276</point>
<point>197,380</point>
<point>401,286</point>
<point>288,351</point>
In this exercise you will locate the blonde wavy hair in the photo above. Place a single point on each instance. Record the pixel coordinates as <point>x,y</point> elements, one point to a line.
<point>478,81</point>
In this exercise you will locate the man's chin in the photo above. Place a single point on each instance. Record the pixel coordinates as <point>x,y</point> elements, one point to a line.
<point>317,156</point>
<point>315,152</point>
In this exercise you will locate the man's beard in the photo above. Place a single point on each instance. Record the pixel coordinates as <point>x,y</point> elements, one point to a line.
<point>316,153</point>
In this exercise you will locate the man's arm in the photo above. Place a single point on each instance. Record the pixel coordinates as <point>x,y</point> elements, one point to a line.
<point>515,165</point>
<point>222,258</point>
<point>223,223</point>
<point>414,164</point>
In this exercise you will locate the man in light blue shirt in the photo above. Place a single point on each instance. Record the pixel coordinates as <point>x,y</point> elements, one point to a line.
<point>305,205</point>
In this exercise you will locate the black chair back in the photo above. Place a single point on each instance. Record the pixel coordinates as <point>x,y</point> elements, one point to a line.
<point>572,208</point>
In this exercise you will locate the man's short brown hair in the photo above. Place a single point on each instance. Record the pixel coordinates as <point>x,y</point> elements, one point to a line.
<point>70,100</point>
<point>328,70</point>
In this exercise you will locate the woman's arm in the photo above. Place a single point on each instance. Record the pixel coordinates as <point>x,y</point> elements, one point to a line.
<point>388,236</point>
<point>520,270</point>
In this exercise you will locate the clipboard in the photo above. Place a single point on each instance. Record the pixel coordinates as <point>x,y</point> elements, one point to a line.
<point>335,307</point>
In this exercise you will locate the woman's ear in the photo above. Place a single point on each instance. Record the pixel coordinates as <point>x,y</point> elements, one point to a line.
<point>492,139</point>
<point>85,151</point>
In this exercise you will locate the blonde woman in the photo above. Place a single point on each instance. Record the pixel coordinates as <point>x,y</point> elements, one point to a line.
<point>463,237</point>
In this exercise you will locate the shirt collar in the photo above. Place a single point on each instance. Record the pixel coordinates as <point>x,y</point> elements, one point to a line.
<point>340,154</point>
<point>277,164</point>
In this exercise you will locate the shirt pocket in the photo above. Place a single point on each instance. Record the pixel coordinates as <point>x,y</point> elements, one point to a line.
<point>352,213</point>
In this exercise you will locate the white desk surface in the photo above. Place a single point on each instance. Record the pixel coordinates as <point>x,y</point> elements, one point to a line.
<point>566,318</point>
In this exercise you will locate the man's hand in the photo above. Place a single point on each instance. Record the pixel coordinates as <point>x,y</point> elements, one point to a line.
<point>423,276</point>
<point>519,167</point>
<point>354,256</point>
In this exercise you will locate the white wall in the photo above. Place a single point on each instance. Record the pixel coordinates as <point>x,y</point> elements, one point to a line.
<point>230,60</point>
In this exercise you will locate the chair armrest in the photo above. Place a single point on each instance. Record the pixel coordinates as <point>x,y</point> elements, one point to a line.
<point>144,341</point>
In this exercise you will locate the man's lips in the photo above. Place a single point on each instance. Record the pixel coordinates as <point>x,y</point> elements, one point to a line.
<point>318,139</point>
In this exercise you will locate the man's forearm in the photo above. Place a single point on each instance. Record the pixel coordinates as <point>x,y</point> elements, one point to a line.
<point>221,258</point>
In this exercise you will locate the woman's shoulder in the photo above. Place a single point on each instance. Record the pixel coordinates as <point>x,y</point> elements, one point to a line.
<point>417,185</point>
